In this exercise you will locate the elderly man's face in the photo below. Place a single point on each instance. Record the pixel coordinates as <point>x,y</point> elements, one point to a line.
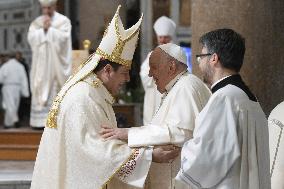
<point>163,39</point>
<point>48,10</point>
<point>159,69</point>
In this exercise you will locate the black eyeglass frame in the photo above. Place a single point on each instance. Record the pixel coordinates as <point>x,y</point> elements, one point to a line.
<point>201,55</point>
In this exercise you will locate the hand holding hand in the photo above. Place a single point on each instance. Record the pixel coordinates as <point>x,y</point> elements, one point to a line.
<point>165,154</point>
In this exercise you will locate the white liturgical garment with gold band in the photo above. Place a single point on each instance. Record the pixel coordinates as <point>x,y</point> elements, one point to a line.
<point>74,155</point>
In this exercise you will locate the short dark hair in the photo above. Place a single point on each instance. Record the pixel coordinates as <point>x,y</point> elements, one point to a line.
<point>228,45</point>
<point>103,62</point>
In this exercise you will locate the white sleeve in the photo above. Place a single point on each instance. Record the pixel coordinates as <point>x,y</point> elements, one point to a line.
<point>135,171</point>
<point>2,74</point>
<point>24,82</point>
<point>152,135</point>
<point>59,35</point>
<point>207,158</point>
<point>184,106</point>
<point>36,36</point>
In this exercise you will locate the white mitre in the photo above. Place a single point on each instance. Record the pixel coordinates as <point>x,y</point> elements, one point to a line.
<point>165,26</point>
<point>47,2</point>
<point>118,45</point>
<point>174,51</point>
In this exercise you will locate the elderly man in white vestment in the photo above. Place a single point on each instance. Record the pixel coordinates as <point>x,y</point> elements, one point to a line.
<point>184,96</point>
<point>14,82</point>
<point>229,149</point>
<point>276,146</point>
<point>164,28</point>
<point>49,36</point>
<point>72,154</point>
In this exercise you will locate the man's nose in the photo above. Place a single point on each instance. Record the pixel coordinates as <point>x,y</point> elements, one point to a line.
<point>150,73</point>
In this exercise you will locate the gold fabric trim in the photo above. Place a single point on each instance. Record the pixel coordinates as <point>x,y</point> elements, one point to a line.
<point>114,58</point>
<point>132,156</point>
<point>53,112</point>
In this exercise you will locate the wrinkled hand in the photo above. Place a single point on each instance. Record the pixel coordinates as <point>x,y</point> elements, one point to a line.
<point>46,22</point>
<point>114,133</point>
<point>165,154</point>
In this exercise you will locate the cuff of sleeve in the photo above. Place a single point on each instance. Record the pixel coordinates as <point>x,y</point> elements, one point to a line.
<point>148,153</point>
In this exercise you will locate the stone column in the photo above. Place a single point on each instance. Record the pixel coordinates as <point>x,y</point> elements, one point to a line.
<point>262,24</point>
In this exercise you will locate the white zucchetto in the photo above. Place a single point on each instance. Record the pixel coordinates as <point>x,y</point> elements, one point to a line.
<point>174,51</point>
<point>47,2</point>
<point>165,26</point>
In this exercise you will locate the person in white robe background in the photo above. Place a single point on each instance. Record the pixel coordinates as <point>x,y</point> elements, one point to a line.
<point>276,146</point>
<point>184,96</point>
<point>164,28</point>
<point>72,154</point>
<point>229,149</point>
<point>14,82</point>
<point>49,36</point>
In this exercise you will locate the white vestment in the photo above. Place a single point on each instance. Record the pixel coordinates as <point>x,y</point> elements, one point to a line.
<point>51,63</point>
<point>13,77</point>
<point>152,96</point>
<point>173,123</point>
<point>229,149</point>
<point>74,155</point>
<point>276,146</point>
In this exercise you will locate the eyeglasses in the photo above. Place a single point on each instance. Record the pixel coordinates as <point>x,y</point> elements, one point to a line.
<point>198,57</point>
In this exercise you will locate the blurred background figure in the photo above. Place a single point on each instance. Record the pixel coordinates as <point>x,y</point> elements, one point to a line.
<point>14,82</point>
<point>165,30</point>
<point>50,39</point>
<point>25,102</point>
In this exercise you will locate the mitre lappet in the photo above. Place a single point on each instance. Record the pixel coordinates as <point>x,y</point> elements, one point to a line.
<point>117,45</point>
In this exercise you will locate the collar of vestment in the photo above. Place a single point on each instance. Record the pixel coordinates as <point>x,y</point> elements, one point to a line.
<point>95,82</point>
<point>170,85</point>
<point>235,80</point>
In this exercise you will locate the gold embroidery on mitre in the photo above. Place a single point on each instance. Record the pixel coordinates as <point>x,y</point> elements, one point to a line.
<point>115,56</point>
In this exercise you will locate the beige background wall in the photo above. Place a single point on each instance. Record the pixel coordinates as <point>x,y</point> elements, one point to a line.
<point>261,22</point>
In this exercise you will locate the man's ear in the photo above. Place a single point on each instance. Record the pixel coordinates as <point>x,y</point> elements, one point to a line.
<point>214,59</point>
<point>108,69</point>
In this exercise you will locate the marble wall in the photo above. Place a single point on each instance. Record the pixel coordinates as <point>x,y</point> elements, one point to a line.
<point>15,18</point>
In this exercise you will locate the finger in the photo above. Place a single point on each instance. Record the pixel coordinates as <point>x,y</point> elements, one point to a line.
<point>104,131</point>
<point>166,147</point>
<point>108,135</point>
<point>105,126</point>
<point>172,154</point>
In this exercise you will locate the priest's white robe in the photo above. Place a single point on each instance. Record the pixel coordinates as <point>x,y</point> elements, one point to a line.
<point>152,97</point>
<point>13,77</point>
<point>173,123</point>
<point>276,140</point>
<point>229,149</point>
<point>75,156</point>
<point>51,63</point>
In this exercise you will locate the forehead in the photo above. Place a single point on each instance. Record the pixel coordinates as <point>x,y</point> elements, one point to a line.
<point>47,6</point>
<point>204,49</point>
<point>124,69</point>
